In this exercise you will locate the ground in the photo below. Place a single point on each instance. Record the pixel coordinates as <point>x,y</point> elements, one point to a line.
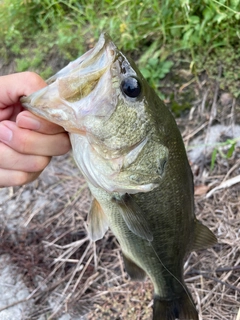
<point>51,270</point>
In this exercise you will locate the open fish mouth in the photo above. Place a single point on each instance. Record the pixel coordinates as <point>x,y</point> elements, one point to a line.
<point>71,92</point>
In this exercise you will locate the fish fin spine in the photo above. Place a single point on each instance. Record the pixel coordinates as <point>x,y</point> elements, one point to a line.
<point>97,221</point>
<point>181,308</point>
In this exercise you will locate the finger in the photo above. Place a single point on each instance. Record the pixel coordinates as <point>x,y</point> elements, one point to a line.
<point>30,142</point>
<point>11,178</point>
<point>6,113</point>
<point>12,160</point>
<point>27,120</point>
<point>10,112</point>
<point>16,85</point>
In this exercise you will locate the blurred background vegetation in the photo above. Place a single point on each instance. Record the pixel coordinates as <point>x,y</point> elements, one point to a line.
<point>200,36</point>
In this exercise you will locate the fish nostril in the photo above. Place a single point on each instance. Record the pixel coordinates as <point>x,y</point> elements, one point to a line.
<point>112,52</point>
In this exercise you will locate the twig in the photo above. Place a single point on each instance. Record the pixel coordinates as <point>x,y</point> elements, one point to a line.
<point>238,315</point>
<point>228,269</point>
<point>231,170</point>
<point>225,184</point>
<point>205,275</point>
<point>202,109</point>
<point>193,133</point>
<point>213,114</point>
<point>214,104</point>
<point>15,303</point>
<point>186,85</point>
<point>222,282</point>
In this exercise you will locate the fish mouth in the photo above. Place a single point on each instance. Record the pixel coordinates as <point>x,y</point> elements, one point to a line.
<point>71,92</point>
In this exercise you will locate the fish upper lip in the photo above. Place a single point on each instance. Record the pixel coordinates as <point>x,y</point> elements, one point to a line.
<point>104,44</point>
<point>93,61</point>
<point>61,94</point>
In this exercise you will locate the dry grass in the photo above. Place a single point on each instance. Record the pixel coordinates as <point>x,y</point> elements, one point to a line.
<point>43,228</point>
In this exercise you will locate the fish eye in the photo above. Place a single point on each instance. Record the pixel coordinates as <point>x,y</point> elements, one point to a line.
<point>131,87</point>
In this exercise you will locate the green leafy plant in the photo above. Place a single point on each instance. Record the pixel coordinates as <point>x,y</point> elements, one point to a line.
<point>228,146</point>
<point>153,64</point>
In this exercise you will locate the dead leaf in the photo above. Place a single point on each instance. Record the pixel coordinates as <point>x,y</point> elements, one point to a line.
<point>200,190</point>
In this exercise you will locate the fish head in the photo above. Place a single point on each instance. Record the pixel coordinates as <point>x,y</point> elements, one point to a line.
<point>83,96</point>
<point>105,103</point>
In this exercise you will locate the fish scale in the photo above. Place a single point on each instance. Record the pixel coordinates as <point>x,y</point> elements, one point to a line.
<point>127,145</point>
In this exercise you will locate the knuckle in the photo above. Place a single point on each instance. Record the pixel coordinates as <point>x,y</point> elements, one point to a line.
<point>24,143</point>
<point>21,178</point>
<point>40,163</point>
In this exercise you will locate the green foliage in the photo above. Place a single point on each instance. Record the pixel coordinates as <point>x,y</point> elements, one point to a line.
<point>223,64</point>
<point>229,147</point>
<point>178,108</point>
<point>153,64</point>
<point>154,31</point>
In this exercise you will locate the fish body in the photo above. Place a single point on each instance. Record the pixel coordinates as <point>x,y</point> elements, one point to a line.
<point>126,143</point>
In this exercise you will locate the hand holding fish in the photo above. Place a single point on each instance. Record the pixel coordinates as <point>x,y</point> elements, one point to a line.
<point>27,142</point>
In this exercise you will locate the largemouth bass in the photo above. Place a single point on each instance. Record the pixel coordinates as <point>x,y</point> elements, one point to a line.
<point>126,143</point>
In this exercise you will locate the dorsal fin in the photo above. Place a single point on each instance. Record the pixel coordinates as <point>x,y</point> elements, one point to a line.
<point>133,216</point>
<point>97,221</point>
<point>203,237</point>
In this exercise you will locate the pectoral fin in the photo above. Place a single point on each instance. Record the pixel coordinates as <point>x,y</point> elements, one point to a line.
<point>135,272</point>
<point>97,221</point>
<point>133,216</point>
<point>204,238</point>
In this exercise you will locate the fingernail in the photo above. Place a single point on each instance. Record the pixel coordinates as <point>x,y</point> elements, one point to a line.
<point>28,123</point>
<point>5,133</point>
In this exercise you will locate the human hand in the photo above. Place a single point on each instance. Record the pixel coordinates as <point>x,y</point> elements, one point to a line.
<point>27,142</point>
